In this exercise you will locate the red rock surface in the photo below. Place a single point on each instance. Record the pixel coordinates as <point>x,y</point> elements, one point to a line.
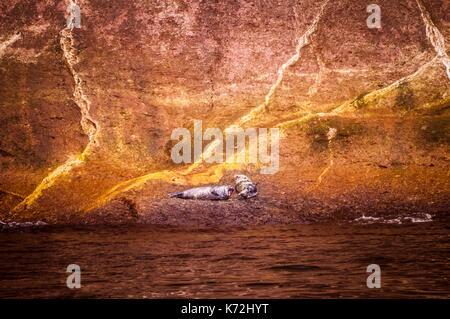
<point>147,67</point>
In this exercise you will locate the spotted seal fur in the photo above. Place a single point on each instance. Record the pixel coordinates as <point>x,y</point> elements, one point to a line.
<point>245,187</point>
<point>222,192</point>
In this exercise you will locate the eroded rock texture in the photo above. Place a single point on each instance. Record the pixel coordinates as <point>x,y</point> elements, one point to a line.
<point>87,114</point>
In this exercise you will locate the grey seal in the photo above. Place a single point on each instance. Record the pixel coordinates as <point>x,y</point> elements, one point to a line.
<point>222,192</point>
<point>245,187</point>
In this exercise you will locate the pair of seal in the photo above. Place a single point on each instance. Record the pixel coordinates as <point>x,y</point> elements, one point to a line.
<point>222,192</point>
<point>245,187</point>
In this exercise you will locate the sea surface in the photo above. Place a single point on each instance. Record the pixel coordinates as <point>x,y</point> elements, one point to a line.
<point>278,261</point>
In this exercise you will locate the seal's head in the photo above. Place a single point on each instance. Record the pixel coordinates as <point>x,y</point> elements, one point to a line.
<point>245,187</point>
<point>249,191</point>
<point>230,190</point>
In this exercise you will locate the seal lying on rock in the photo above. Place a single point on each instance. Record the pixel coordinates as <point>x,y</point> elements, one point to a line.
<point>245,187</point>
<point>222,192</point>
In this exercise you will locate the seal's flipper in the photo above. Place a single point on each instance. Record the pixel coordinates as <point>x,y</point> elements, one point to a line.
<point>214,192</point>
<point>216,195</point>
<point>246,194</point>
<point>251,195</point>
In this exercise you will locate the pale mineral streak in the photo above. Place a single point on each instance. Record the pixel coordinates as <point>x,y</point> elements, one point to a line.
<point>7,43</point>
<point>89,125</point>
<point>435,37</point>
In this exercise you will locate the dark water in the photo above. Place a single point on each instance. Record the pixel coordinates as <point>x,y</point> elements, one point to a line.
<point>319,260</point>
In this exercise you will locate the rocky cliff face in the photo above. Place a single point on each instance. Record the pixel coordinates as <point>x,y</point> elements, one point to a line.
<point>87,114</point>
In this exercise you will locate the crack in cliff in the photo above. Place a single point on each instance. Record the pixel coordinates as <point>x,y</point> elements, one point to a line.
<point>330,136</point>
<point>301,43</point>
<point>376,94</point>
<point>369,97</point>
<point>5,44</point>
<point>89,126</point>
<point>435,37</point>
<point>322,69</point>
<point>12,193</point>
<point>350,105</point>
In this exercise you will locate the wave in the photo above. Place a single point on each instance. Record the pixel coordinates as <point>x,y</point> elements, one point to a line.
<point>16,225</point>
<point>423,218</point>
